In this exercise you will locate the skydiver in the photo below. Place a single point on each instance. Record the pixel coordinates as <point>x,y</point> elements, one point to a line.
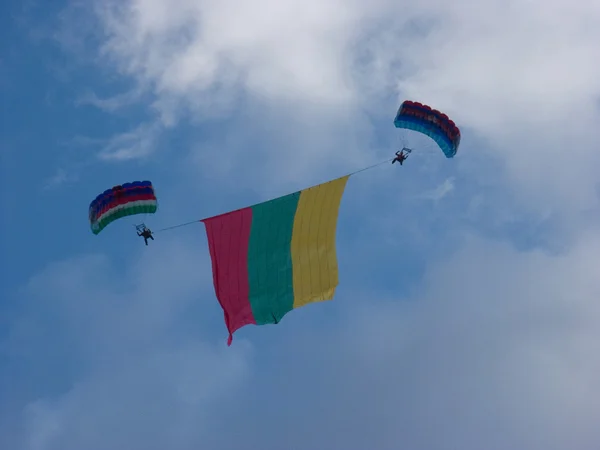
<point>146,234</point>
<point>401,156</point>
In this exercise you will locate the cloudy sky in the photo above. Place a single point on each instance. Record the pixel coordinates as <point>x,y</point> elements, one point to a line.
<point>468,311</point>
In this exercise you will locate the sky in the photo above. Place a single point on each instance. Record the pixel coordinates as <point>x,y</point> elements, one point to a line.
<point>468,310</point>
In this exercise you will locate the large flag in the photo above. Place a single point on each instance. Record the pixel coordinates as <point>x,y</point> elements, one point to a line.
<point>275,256</point>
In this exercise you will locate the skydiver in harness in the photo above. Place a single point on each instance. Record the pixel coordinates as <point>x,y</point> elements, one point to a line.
<point>401,156</point>
<point>146,234</point>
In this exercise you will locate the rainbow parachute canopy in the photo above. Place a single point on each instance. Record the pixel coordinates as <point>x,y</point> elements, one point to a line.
<point>123,200</point>
<point>431,122</point>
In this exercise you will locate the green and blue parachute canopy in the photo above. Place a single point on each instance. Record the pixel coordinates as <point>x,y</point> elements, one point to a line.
<point>431,122</point>
<point>128,199</point>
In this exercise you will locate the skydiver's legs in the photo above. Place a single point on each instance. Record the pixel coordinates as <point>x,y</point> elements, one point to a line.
<point>151,237</point>
<point>145,240</point>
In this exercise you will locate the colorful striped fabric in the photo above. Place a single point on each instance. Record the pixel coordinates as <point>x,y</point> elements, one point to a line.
<point>275,256</point>
<point>431,122</point>
<point>120,201</point>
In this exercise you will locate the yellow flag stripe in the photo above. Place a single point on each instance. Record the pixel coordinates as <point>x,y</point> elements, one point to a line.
<point>313,252</point>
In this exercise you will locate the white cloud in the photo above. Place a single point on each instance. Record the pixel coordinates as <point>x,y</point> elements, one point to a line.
<point>518,90</point>
<point>110,104</point>
<point>138,142</point>
<point>491,351</point>
<point>60,177</point>
<point>493,354</point>
<point>133,144</point>
<point>460,56</point>
<point>162,398</point>
<point>130,350</point>
<point>290,49</point>
<point>439,192</point>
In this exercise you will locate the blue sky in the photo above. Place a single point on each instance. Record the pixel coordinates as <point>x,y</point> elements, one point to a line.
<point>468,308</point>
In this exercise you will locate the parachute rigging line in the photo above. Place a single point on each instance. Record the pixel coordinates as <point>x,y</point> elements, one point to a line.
<point>364,169</point>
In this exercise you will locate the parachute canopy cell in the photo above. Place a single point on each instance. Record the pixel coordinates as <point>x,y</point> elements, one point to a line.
<point>123,200</point>
<point>431,122</point>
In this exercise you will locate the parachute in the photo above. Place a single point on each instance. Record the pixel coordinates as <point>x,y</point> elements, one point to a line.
<point>128,199</point>
<point>431,122</point>
<point>277,255</point>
